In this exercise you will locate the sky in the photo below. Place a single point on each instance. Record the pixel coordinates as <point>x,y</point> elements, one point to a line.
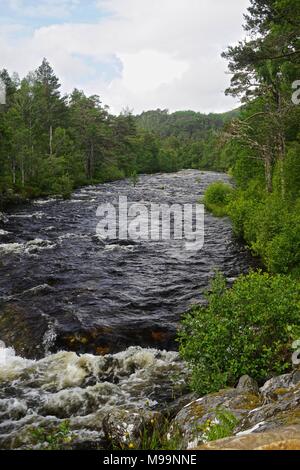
<point>140,54</point>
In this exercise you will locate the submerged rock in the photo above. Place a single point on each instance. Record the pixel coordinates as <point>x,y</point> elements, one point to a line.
<point>3,218</point>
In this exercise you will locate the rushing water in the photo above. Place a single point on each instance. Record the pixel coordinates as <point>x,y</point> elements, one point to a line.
<point>62,289</point>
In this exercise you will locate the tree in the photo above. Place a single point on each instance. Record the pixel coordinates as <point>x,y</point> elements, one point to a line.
<point>263,68</point>
<point>51,107</point>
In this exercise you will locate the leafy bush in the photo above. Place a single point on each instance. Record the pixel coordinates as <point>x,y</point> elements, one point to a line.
<point>282,252</point>
<point>247,329</point>
<point>110,173</point>
<point>216,198</point>
<point>270,228</point>
<point>57,438</point>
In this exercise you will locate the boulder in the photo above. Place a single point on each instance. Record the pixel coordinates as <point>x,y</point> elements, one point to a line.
<point>192,420</point>
<point>276,385</point>
<point>247,384</point>
<point>275,405</point>
<point>126,429</point>
<point>282,407</point>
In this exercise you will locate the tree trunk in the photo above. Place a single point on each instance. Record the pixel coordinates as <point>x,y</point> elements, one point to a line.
<point>281,163</point>
<point>14,171</point>
<point>23,172</point>
<point>268,172</point>
<point>50,141</point>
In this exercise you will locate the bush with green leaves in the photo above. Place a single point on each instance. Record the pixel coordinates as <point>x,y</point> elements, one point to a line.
<point>247,329</point>
<point>216,198</point>
<point>270,227</point>
<point>56,438</point>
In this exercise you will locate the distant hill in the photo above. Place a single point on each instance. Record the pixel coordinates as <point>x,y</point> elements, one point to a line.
<point>185,125</point>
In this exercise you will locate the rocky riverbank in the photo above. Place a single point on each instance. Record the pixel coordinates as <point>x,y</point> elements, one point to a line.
<point>253,418</point>
<point>138,399</point>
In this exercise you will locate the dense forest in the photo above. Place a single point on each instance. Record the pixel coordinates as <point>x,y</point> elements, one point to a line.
<point>51,143</point>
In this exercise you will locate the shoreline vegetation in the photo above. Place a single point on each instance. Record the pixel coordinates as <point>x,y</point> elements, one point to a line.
<point>252,327</point>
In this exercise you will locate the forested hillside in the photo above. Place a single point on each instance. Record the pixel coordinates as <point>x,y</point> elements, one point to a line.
<point>188,139</point>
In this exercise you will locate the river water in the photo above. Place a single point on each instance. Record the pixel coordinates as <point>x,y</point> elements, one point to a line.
<point>90,326</point>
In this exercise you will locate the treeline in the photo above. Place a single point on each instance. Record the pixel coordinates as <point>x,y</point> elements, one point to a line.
<point>51,143</point>
<point>188,139</point>
<point>264,142</point>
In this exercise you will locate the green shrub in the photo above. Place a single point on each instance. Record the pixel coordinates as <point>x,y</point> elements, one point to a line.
<point>216,198</point>
<point>110,173</point>
<point>282,252</point>
<point>247,329</point>
<point>270,227</point>
<point>57,438</point>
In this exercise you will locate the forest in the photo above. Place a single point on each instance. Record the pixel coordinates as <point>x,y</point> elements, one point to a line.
<point>52,143</point>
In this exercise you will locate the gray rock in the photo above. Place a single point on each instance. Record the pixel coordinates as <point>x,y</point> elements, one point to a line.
<point>296,377</point>
<point>125,429</point>
<point>192,420</point>
<point>282,382</point>
<point>247,384</point>
<point>282,409</point>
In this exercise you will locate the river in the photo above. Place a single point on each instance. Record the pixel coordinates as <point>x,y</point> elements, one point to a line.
<point>90,326</point>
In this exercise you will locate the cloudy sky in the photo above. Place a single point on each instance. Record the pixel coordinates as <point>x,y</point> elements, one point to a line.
<point>144,54</point>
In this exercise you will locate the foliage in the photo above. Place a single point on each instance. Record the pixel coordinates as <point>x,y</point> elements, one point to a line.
<point>159,438</point>
<point>220,427</point>
<point>243,330</point>
<point>50,143</point>
<point>134,178</point>
<point>56,438</point>
<point>217,197</point>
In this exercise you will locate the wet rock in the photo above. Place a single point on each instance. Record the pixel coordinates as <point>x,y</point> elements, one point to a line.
<point>283,438</point>
<point>23,330</point>
<point>126,429</point>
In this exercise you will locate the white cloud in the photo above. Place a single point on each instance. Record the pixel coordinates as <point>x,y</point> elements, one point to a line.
<point>169,49</point>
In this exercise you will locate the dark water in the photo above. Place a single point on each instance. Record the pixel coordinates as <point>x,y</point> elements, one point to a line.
<point>78,294</point>
<point>63,290</point>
